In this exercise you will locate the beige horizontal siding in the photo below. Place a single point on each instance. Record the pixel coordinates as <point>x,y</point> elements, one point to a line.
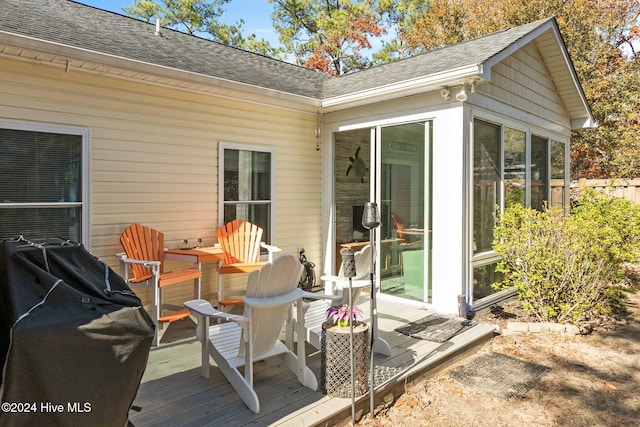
<point>523,81</point>
<point>154,155</point>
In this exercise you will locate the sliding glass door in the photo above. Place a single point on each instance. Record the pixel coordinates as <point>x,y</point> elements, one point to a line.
<point>405,190</point>
<point>396,171</point>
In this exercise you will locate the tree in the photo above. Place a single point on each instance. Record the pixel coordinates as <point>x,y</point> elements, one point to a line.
<point>398,16</point>
<point>200,17</point>
<point>327,35</point>
<point>601,37</point>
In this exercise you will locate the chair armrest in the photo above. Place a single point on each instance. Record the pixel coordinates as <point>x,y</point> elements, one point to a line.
<point>343,283</point>
<point>318,296</point>
<point>271,249</point>
<point>274,301</point>
<point>148,264</point>
<point>204,308</point>
<point>358,283</point>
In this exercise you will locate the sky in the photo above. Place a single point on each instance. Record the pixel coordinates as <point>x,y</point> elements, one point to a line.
<point>255,13</point>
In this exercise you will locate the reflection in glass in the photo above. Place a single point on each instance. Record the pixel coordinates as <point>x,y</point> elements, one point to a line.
<point>247,188</point>
<point>351,184</point>
<point>406,207</point>
<point>539,172</point>
<point>557,173</point>
<point>486,183</point>
<point>39,223</point>
<point>483,279</point>
<point>515,180</point>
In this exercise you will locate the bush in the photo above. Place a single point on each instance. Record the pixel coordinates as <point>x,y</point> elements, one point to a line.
<point>566,268</point>
<point>619,222</point>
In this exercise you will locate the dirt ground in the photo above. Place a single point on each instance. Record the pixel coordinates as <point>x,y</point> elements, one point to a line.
<point>594,380</point>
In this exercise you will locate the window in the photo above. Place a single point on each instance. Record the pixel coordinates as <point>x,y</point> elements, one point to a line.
<point>557,173</point>
<point>486,183</point>
<point>515,176</point>
<point>500,161</point>
<point>247,185</point>
<point>539,172</point>
<point>510,166</point>
<point>43,181</point>
<point>484,276</point>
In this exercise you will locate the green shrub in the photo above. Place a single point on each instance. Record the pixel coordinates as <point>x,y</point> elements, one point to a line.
<point>619,223</point>
<point>566,268</point>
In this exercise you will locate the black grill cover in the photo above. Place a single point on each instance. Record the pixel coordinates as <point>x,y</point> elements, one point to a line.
<point>74,338</point>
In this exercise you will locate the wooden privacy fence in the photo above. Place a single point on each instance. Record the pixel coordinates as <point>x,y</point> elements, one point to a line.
<point>629,189</point>
<point>625,188</point>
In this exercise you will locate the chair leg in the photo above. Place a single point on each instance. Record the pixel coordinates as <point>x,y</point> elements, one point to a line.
<point>296,362</point>
<point>289,326</point>
<point>240,383</point>
<point>220,287</point>
<point>156,301</point>
<point>202,333</point>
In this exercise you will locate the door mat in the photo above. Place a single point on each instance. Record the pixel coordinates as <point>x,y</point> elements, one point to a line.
<point>499,375</point>
<point>436,328</point>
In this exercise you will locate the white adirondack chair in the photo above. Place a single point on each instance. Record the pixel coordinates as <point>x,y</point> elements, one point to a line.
<point>272,292</point>
<point>335,287</point>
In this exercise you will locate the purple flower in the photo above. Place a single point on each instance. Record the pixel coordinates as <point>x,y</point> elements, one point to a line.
<point>339,314</point>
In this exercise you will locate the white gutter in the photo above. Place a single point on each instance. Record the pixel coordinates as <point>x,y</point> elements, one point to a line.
<point>404,88</point>
<point>71,54</point>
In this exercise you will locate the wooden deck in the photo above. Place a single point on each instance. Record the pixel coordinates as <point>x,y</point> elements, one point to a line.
<point>173,393</point>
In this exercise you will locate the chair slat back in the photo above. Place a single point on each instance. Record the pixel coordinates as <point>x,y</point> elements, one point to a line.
<point>271,280</point>
<point>240,241</point>
<point>399,224</point>
<point>143,243</point>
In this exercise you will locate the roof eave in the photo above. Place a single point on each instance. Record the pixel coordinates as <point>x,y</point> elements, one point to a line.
<point>403,88</point>
<point>68,55</point>
<point>583,123</point>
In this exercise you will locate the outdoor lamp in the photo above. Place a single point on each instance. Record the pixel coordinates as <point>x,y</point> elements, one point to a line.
<point>462,95</point>
<point>370,216</point>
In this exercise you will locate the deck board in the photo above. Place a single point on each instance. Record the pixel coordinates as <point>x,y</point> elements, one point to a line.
<point>172,392</point>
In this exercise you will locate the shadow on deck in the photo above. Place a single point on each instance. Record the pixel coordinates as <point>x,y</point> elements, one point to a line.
<point>173,393</point>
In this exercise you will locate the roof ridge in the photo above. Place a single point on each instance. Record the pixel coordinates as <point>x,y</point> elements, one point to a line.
<point>533,24</point>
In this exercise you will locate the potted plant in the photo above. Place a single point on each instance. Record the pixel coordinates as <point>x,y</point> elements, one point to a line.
<point>342,315</point>
<point>335,372</point>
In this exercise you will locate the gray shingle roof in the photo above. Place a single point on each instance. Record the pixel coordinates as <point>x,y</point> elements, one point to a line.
<point>80,26</point>
<point>472,52</point>
<point>85,27</point>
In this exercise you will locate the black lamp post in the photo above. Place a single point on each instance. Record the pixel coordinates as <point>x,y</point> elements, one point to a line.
<point>371,221</point>
<point>349,271</point>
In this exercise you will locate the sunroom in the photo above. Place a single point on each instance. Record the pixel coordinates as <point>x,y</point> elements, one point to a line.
<point>483,124</point>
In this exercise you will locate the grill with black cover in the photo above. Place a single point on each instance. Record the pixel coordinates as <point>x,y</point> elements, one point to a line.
<point>74,338</point>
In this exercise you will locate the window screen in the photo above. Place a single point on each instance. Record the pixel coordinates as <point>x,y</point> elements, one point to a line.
<point>40,184</point>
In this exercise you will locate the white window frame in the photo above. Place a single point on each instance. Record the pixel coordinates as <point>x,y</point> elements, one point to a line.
<point>482,259</point>
<point>222,145</point>
<point>85,133</point>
